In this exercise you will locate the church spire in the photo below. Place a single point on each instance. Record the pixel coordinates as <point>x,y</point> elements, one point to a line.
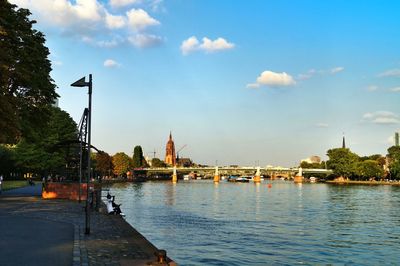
<point>170,135</point>
<point>343,143</point>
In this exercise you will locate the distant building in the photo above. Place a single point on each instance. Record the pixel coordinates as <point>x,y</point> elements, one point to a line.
<point>184,162</point>
<point>312,159</point>
<point>396,139</point>
<point>170,156</point>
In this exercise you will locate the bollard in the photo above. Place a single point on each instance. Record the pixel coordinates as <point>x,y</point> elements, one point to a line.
<point>161,255</point>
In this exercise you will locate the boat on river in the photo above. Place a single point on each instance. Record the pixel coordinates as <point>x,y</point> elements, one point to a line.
<point>240,179</point>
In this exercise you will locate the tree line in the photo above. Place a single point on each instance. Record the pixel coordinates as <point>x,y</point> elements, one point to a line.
<point>347,164</point>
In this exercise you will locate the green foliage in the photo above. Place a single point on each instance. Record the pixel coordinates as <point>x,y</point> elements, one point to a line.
<point>307,165</point>
<point>48,149</point>
<point>122,163</point>
<point>155,162</point>
<point>138,159</point>
<point>394,162</point>
<point>369,169</point>
<point>343,162</point>
<point>26,88</point>
<point>104,163</point>
<point>7,162</point>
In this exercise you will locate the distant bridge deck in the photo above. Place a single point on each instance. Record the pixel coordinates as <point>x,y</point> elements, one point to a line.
<point>224,169</point>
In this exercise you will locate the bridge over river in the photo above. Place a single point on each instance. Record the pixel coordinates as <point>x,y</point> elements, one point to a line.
<point>273,172</point>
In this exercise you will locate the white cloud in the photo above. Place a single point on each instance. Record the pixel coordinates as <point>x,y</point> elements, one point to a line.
<point>145,40</point>
<point>396,89</point>
<point>92,23</point>
<point>115,22</point>
<point>372,88</point>
<point>64,13</point>
<point>192,44</point>
<point>273,79</point>
<point>189,45</point>
<point>216,45</point>
<point>381,117</point>
<point>390,73</point>
<point>322,125</point>
<point>120,3</point>
<point>139,19</point>
<point>336,70</point>
<point>110,63</point>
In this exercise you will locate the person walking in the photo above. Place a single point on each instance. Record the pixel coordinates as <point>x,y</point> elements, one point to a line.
<point>1,183</point>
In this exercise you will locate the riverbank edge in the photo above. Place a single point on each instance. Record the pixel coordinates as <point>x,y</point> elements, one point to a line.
<point>136,237</point>
<point>353,182</point>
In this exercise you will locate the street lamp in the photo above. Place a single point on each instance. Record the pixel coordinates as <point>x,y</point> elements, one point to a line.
<point>82,83</point>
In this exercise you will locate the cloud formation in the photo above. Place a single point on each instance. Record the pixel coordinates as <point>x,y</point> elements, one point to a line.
<point>382,118</point>
<point>121,3</point>
<point>390,73</point>
<point>115,22</point>
<point>145,40</point>
<point>273,79</point>
<point>138,19</point>
<point>336,70</point>
<point>396,89</point>
<point>110,63</point>
<point>192,44</point>
<point>92,22</point>
<point>313,72</point>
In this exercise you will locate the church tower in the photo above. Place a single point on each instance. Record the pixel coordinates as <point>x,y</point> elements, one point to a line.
<point>343,143</point>
<point>170,157</point>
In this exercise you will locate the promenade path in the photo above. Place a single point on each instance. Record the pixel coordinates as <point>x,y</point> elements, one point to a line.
<point>34,231</point>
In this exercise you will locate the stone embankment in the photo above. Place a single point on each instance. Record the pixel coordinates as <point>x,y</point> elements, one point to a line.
<point>112,241</point>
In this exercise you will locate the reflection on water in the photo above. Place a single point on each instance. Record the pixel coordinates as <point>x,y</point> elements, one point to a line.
<point>202,223</point>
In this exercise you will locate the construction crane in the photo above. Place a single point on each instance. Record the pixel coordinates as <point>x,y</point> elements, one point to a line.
<point>181,148</point>
<point>153,153</point>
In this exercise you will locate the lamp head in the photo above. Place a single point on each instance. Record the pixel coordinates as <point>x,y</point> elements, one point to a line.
<point>80,83</point>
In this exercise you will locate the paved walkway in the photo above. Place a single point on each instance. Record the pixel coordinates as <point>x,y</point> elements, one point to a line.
<point>51,232</point>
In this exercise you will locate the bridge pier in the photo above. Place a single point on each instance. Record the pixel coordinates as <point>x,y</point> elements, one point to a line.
<point>216,175</point>
<point>273,176</point>
<point>174,176</point>
<point>299,176</point>
<point>257,177</point>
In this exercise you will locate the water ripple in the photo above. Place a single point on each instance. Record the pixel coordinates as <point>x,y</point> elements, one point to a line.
<point>243,224</point>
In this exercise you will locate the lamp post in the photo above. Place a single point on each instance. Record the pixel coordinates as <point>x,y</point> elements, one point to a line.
<point>82,83</point>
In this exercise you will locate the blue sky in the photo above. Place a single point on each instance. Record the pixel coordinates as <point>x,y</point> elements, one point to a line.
<point>237,81</point>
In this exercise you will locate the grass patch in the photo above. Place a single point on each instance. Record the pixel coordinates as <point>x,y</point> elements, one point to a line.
<point>11,184</point>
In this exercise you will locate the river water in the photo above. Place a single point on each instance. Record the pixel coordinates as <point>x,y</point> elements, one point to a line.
<point>202,223</point>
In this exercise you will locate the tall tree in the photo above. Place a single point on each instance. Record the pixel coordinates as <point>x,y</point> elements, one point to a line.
<point>138,159</point>
<point>342,161</point>
<point>122,163</point>
<point>26,88</point>
<point>104,163</point>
